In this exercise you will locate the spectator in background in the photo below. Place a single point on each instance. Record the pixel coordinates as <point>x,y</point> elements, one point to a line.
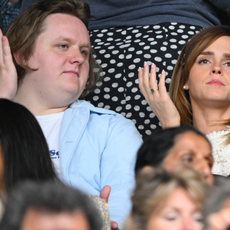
<point>176,147</point>
<point>217,206</point>
<point>50,205</point>
<point>163,200</point>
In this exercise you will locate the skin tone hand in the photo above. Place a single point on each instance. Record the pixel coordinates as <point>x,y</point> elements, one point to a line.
<point>104,194</point>
<point>219,220</point>
<point>8,73</point>
<point>159,100</point>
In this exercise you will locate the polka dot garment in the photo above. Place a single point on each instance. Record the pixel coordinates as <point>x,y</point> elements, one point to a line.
<point>121,51</point>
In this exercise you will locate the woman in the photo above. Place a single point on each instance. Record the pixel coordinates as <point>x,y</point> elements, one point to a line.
<point>199,91</point>
<point>163,200</point>
<point>176,147</point>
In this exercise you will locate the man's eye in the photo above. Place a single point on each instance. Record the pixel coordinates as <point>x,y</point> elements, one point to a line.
<point>63,46</point>
<point>84,52</point>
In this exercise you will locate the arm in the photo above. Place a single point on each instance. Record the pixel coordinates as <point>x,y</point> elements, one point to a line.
<point>8,74</point>
<point>159,100</point>
<point>117,166</point>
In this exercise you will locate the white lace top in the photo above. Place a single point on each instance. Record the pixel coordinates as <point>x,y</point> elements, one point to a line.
<point>221,153</point>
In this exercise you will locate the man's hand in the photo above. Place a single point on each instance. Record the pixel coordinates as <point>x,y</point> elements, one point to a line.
<point>104,194</point>
<point>8,73</point>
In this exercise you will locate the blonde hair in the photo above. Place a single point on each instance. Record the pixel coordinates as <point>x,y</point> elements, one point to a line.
<point>155,186</point>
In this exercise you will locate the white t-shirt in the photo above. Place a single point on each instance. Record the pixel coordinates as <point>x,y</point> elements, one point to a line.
<point>51,125</point>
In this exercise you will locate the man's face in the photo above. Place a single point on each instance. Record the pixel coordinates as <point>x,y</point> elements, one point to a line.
<point>61,57</point>
<point>38,220</point>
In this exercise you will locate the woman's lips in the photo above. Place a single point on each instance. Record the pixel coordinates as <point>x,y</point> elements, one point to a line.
<point>215,82</point>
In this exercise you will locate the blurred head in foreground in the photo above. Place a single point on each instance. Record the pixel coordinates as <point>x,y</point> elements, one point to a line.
<point>49,206</point>
<point>163,200</point>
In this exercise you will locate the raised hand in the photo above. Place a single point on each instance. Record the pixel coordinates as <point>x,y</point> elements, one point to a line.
<point>8,73</point>
<point>157,96</point>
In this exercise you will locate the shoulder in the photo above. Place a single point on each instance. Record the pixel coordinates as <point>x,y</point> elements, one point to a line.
<point>103,120</point>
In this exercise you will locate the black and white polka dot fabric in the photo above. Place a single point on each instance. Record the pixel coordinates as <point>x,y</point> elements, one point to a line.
<point>121,51</point>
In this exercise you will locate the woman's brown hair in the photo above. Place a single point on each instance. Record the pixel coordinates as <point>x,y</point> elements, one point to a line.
<point>187,57</point>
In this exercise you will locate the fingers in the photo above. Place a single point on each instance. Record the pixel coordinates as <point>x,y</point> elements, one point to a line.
<point>162,87</point>
<point>104,194</point>
<point>148,82</point>
<point>1,54</point>
<point>153,81</point>
<point>7,57</point>
<point>113,225</point>
<point>5,53</point>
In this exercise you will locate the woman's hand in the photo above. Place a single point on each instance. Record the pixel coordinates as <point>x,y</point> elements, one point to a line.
<point>8,73</point>
<point>219,220</point>
<point>158,98</point>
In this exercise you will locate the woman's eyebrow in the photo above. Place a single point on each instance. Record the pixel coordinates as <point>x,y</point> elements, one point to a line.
<point>207,53</point>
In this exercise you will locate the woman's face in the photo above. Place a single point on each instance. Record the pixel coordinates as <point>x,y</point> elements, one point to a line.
<point>192,150</point>
<point>178,213</point>
<point>209,78</point>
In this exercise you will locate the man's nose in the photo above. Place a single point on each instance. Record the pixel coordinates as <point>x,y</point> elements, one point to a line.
<point>76,57</point>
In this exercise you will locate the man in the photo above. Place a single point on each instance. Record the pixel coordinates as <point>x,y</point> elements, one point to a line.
<point>90,147</point>
<point>49,206</point>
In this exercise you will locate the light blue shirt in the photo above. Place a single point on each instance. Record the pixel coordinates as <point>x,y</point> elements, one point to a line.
<point>98,147</point>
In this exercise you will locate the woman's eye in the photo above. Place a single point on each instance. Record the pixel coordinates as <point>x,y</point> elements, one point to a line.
<point>198,217</point>
<point>227,64</point>
<point>203,61</point>
<point>171,217</point>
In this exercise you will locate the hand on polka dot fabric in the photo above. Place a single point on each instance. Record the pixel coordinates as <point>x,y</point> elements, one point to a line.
<point>157,96</point>
<point>8,74</point>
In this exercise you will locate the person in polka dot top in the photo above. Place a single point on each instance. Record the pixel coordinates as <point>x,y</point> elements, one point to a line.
<point>199,93</point>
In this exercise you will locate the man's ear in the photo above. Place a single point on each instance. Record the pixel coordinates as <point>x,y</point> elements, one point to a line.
<point>16,56</point>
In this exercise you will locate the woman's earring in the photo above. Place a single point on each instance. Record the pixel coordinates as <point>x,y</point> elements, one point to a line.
<point>185,87</point>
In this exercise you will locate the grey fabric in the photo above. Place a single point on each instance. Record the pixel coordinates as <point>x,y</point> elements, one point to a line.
<point>117,13</point>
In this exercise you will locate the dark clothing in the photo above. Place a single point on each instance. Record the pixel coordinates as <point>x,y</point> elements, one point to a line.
<point>9,12</point>
<point>117,13</point>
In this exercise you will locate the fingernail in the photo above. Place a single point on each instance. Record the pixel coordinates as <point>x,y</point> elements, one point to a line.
<point>145,64</point>
<point>162,72</point>
<point>139,69</point>
<point>152,66</point>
